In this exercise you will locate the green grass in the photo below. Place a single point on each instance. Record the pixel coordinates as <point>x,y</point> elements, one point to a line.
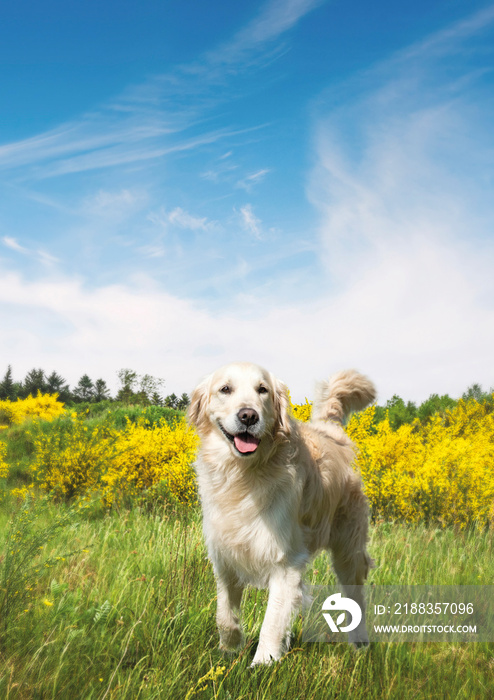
<point>120,412</point>
<point>131,615</point>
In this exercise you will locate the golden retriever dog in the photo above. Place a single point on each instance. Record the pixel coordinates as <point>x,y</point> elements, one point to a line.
<point>275,491</point>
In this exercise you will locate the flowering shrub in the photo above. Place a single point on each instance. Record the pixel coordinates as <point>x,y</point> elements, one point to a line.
<point>45,406</point>
<point>147,456</point>
<point>75,459</point>
<point>301,411</point>
<point>4,467</point>
<point>441,471</point>
<point>438,471</point>
<point>70,459</point>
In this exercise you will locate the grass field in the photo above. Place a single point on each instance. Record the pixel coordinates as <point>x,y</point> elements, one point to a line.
<point>131,615</point>
<point>99,603</point>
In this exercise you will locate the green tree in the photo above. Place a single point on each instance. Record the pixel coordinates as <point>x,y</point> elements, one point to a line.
<point>8,388</point>
<point>84,391</point>
<point>128,380</point>
<point>183,402</point>
<point>434,404</point>
<point>399,412</point>
<point>474,392</point>
<point>150,386</point>
<point>56,384</point>
<point>101,391</point>
<point>156,399</point>
<point>34,381</point>
<point>141,389</point>
<point>171,401</point>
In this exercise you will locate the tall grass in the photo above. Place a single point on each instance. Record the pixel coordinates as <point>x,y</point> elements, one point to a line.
<point>131,615</point>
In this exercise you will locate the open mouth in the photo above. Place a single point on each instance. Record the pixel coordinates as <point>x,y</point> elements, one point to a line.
<point>245,443</point>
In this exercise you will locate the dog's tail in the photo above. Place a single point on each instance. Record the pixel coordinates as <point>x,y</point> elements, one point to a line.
<point>341,394</point>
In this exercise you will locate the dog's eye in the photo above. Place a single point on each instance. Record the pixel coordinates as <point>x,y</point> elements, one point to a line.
<point>262,390</point>
<point>225,389</point>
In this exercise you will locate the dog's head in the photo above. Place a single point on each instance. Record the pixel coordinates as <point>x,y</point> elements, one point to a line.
<point>244,405</point>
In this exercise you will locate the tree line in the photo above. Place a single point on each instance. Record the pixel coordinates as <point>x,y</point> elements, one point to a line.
<point>400,412</point>
<point>134,389</point>
<point>148,390</point>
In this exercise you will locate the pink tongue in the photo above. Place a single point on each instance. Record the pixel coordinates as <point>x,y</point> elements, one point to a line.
<point>246,443</point>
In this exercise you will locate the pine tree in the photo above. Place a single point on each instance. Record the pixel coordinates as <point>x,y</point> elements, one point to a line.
<point>171,401</point>
<point>156,399</point>
<point>56,384</point>
<point>84,391</point>
<point>183,402</point>
<point>101,391</point>
<point>34,381</point>
<point>7,386</point>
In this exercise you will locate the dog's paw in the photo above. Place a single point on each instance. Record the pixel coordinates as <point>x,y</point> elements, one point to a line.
<point>263,657</point>
<point>231,640</point>
<point>262,662</point>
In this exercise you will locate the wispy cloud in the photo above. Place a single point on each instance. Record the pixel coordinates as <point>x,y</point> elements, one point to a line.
<point>442,41</point>
<point>41,255</point>
<point>113,205</point>
<point>92,133</point>
<point>399,279</point>
<point>221,169</point>
<point>248,182</point>
<point>163,116</point>
<point>183,219</point>
<point>407,215</point>
<point>12,243</point>
<point>152,251</point>
<point>275,18</point>
<point>250,222</point>
<point>420,160</point>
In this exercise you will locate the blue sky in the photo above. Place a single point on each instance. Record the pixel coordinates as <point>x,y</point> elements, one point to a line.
<point>305,184</point>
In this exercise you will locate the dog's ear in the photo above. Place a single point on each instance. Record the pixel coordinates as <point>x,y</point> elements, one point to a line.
<point>198,404</point>
<point>281,405</point>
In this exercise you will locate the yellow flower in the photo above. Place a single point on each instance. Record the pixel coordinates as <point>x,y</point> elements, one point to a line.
<point>45,406</point>
<point>438,472</point>
<point>77,462</point>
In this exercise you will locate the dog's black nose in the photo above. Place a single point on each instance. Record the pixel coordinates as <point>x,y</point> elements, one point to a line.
<point>248,416</point>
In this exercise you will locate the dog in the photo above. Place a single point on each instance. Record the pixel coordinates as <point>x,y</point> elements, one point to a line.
<point>274,491</point>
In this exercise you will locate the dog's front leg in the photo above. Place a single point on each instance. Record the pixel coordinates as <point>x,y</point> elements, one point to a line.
<point>229,596</point>
<point>285,597</point>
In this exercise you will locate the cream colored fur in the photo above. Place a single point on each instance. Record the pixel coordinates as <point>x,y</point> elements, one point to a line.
<point>267,512</point>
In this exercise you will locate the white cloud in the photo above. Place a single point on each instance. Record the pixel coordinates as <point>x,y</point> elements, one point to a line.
<point>407,219</point>
<point>250,222</point>
<point>183,219</point>
<point>248,182</point>
<point>47,258</point>
<point>12,243</point>
<point>42,256</point>
<point>141,126</point>
<point>115,206</point>
<point>153,251</point>
<point>73,329</point>
<point>402,188</point>
<point>275,18</point>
